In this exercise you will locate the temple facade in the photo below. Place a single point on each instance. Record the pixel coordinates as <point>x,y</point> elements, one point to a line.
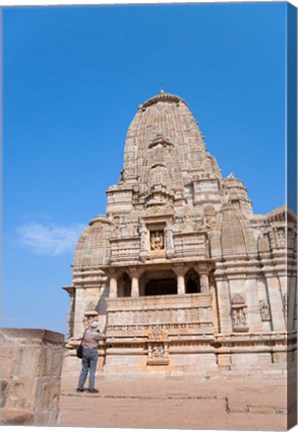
<point>181,274</point>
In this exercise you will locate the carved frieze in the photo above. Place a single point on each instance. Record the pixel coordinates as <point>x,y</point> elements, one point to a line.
<point>157,332</point>
<point>239,314</point>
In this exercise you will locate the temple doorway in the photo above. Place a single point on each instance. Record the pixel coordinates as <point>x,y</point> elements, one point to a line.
<point>192,282</point>
<point>124,285</point>
<point>158,283</point>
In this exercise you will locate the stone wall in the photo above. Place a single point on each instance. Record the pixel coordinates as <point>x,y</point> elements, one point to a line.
<point>31,363</point>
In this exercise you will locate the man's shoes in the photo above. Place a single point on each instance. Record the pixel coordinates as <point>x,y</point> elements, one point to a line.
<point>92,391</point>
<point>79,390</point>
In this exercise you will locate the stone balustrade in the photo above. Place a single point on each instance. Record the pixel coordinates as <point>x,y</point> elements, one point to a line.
<point>139,315</point>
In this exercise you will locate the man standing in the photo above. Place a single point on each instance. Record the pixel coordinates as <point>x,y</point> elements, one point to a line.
<point>90,356</point>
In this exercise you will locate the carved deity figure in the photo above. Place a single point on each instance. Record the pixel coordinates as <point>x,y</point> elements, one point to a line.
<point>88,319</point>
<point>156,240</point>
<point>239,318</point>
<point>264,310</point>
<point>158,351</point>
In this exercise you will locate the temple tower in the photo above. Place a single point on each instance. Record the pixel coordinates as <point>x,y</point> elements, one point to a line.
<point>179,271</point>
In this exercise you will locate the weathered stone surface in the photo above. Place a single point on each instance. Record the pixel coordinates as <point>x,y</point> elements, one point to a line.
<point>31,373</point>
<point>178,402</point>
<point>16,417</point>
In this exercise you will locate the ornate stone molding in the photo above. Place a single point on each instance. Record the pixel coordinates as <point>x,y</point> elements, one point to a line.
<point>162,97</point>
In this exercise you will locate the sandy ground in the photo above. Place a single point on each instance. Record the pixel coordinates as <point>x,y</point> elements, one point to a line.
<point>178,403</point>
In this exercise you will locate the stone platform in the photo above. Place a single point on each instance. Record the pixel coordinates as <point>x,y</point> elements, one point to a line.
<point>179,403</point>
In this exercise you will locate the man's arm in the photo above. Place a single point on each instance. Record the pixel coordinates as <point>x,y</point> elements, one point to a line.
<point>100,336</point>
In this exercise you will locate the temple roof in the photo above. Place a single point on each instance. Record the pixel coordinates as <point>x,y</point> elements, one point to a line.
<point>165,132</point>
<point>162,96</point>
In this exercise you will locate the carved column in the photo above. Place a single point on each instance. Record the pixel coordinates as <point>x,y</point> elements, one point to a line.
<point>113,286</point>
<point>204,282</point>
<point>134,274</point>
<point>135,286</point>
<point>144,241</point>
<point>291,303</point>
<point>224,305</point>
<point>253,305</point>
<point>78,325</point>
<point>180,272</point>
<point>203,271</point>
<point>169,241</point>
<point>274,290</point>
<point>70,315</point>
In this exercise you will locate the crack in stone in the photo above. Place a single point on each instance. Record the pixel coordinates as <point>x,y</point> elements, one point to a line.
<point>216,398</point>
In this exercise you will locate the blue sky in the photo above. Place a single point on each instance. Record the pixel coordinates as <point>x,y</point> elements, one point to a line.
<point>73,78</point>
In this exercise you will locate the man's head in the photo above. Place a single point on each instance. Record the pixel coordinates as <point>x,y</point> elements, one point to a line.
<point>95,325</point>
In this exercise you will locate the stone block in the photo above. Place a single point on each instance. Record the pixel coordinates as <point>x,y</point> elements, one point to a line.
<point>19,390</point>
<point>279,357</point>
<point>3,392</point>
<point>16,417</point>
<point>9,355</point>
<point>32,368</point>
<point>29,363</point>
<point>260,409</point>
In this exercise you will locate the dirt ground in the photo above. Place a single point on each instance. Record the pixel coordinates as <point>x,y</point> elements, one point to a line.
<point>239,403</point>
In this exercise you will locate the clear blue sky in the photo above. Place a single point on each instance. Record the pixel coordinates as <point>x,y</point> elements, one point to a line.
<point>73,79</point>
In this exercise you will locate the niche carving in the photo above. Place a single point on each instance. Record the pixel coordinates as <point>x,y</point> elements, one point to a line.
<point>239,314</point>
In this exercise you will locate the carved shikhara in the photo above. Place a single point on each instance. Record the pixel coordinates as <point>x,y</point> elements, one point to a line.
<point>180,273</point>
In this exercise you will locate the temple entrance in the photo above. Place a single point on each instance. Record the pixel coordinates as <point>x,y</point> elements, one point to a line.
<point>156,283</point>
<point>161,287</point>
<point>124,285</point>
<point>192,282</point>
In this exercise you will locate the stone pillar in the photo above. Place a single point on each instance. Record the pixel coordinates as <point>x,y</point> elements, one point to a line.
<point>224,305</point>
<point>180,272</point>
<point>291,303</point>
<point>204,282</point>
<point>278,319</point>
<point>135,286</point>
<point>144,241</point>
<point>254,321</point>
<point>70,316</point>
<point>214,309</point>
<point>180,284</point>
<point>169,242</point>
<point>134,274</point>
<point>264,304</point>
<point>78,324</point>
<point>284,282</point>
<point>113,286</point>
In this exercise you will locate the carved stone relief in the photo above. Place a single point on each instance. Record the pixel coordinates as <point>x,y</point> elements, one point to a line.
<point>239,314</point>
<point>285,304</point>
<point>264,311</point>
<point>158,346</point>
<point>156,240</point>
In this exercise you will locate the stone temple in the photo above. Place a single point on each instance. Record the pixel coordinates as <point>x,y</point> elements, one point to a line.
<point>181,274</point>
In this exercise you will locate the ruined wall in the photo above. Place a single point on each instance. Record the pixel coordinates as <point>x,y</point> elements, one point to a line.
<point>31,363</point>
